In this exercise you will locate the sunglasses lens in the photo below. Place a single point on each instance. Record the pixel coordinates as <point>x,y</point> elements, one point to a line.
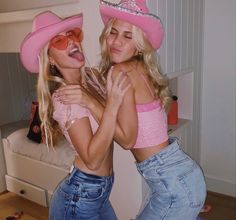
<point>75,34</point>
<point>59,42</point>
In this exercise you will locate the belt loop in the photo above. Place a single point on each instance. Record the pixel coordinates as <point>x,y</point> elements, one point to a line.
<point>71,168</point>
<point>70,174</point>
<point>177,140</point>
<point>159,159</point>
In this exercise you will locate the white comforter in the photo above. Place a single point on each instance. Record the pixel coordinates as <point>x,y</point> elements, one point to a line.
<point>62,156</point>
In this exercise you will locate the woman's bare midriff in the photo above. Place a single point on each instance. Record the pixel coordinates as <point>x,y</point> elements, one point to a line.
<point>106,168</point>
<point>141,154</point>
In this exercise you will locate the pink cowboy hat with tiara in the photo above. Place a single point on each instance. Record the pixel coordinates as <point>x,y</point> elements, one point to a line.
<point>136,13</point>
<point>46,25</point>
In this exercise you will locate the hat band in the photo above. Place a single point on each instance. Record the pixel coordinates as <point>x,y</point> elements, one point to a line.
<point>130,4</point>
<point>127,10</point>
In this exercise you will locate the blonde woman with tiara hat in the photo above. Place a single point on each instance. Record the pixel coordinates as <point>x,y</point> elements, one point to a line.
<point>129,42</point>
<point>53,50</point>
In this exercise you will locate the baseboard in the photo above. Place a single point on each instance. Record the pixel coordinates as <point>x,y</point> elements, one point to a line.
<point>221,186</point>
<point>4,192</point>
<point>220,195</point>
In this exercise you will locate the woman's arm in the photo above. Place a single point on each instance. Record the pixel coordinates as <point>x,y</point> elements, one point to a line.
<point>93,148</point>
<point>126,127</point>
<point>127,122</point>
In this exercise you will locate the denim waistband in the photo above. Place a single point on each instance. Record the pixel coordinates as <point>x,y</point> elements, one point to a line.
<point>76,172</point>
<point>162,155</point>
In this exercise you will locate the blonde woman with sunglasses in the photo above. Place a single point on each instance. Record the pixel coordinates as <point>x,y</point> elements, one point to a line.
<point>53,50</point>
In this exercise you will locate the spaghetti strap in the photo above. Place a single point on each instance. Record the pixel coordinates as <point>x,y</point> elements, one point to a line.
<point>147,84</point>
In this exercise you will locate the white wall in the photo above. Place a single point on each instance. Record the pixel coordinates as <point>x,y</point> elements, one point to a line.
<point>7,6</point>
<point>218,122</point>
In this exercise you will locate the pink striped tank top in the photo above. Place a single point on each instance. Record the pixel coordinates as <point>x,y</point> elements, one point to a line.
<point>152,124</point>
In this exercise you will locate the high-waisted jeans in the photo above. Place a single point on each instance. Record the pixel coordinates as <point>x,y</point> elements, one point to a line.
<point>176,183</point>
<point>82,196</point>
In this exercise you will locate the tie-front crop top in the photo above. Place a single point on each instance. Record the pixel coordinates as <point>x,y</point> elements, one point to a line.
<point>69,113</point>
<point>152,125</point>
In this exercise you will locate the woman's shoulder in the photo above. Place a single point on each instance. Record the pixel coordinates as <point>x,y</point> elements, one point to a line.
<point>124,66</point>
<point>65,111</point>
<point>128,67</point>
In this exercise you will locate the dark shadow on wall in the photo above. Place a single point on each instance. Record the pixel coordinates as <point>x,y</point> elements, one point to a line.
<point>17,89</point>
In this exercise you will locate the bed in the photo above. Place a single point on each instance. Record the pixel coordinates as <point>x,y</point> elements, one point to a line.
<point>32,171</point>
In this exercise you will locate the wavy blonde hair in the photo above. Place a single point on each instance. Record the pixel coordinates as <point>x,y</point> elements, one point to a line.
<point>49,80</point>
<point>47,83</point>
<point>147,56</point>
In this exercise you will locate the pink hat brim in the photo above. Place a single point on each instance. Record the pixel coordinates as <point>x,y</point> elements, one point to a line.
<point>35,41</point>
<point>151,26</point>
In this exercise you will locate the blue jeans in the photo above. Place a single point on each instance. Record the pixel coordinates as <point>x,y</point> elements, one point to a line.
<point>82,196</point>
<point>177,185</point>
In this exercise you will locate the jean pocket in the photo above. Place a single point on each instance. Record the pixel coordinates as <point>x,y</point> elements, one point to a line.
<point>193,184</point>
<point>91,192</point>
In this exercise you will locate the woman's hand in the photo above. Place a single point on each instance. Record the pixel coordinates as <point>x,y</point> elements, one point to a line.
<point>74,94</point>
<point>116,88</point>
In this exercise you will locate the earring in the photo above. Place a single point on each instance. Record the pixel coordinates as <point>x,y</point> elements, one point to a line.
<point>53,70</point>
<point>140,55</point>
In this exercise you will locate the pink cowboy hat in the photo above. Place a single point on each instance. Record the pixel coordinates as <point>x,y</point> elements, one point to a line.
<point>46,25</point>
<point>136,13</point>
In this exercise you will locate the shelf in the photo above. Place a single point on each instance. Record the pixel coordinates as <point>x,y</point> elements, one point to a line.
<point>63,10</point>
<point>175,75</point>
<point>181,124</point>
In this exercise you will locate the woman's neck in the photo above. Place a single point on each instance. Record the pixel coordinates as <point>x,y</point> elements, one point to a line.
<point>72,76</point>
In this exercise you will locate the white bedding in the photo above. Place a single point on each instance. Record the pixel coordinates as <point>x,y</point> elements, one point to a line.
<point>62,156</point>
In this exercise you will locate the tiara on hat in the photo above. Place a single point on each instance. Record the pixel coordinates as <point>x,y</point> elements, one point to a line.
<point>132,7</point>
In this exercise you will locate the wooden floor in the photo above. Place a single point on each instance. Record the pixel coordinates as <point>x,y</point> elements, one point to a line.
<point>11,203</point>
<point>223,208</point>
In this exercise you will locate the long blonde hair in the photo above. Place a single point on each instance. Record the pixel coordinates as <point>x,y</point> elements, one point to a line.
<point>49,80</point>
<point>46,85</point>
<point>147,56</point>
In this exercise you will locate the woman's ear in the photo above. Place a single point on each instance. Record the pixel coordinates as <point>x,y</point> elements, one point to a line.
<point>136,52</point>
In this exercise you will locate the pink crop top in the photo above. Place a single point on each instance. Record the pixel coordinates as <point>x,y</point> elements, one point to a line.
<point>69,113</point>
<point>152,124</point>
